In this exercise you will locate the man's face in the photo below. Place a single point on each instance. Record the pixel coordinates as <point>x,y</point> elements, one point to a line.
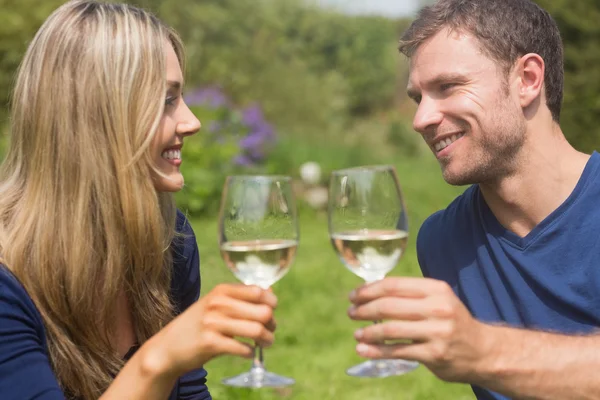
<point>466,111</point>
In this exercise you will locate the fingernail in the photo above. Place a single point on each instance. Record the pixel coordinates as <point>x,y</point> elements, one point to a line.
<point>352,295</point>
<point>271,298</point>
<point>358,334</point>
<point>362,348</point>
<point>351,311</point>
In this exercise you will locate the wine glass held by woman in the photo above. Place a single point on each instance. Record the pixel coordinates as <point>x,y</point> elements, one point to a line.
<point>258,236</point>
<point>99,281</point>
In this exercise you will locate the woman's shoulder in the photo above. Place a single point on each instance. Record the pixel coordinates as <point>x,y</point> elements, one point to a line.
<point>185,284</point>
<point>16,306</point>
<point>11,288</point>
<point>184,243</point>
<point>183,225</point>
<point>25,371</point>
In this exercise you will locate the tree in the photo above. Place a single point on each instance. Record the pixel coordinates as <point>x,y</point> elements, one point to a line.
<point>580,30</point>
<point>19,20</point>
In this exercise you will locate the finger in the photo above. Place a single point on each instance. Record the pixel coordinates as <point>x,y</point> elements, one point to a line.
<point>238,309</point>
<point>395,330</point>
<point>391,308</point>
<point>248,293</point>
<point>228,345</point>
<point>241,329</point>
<point>397,287</point>
<point>408,351</point>
<point>271,325</point>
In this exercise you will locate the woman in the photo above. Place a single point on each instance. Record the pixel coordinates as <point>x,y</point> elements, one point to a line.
<point>99,276</point>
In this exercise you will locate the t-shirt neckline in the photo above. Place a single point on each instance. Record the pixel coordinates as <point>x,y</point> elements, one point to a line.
<point>497,229</point>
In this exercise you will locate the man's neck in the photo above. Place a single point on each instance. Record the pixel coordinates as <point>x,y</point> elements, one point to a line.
<point>546,174</point>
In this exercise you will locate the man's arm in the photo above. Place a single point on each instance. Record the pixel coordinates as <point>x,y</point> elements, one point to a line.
<point>528,364</point>
<point>444,336</point>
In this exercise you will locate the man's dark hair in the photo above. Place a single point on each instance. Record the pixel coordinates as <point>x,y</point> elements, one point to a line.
<point>505,30</point>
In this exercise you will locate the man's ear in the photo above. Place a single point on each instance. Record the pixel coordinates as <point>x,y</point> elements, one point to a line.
<point>530,70</point>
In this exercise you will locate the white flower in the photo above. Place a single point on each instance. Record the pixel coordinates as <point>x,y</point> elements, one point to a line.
<point>310,172</point>
<point>317,197</point>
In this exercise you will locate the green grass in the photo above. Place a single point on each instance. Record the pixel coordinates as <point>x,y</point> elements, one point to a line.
<point>314,342</point>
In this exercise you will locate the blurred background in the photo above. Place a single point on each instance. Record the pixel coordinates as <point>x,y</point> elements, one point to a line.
<point>302,87</point>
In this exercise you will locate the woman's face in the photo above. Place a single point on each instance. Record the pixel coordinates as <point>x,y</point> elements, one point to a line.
<point>177,122</point>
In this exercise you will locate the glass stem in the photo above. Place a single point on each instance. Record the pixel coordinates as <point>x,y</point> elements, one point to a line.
<point>258,363</point>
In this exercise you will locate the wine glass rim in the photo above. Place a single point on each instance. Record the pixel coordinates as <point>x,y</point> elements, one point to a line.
<point>364,168</point>
<point>260,177</point>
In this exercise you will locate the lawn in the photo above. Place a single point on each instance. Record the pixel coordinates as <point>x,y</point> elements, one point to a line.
<point>314,342</point>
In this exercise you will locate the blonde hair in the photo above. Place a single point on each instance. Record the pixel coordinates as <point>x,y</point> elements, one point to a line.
<point>80,220</point>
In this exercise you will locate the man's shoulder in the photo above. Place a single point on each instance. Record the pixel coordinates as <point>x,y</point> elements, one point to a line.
<point>455,216</point>
<point>445,231</point>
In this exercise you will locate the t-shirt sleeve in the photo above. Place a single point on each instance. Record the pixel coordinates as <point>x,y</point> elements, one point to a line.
<point>426,241</point>
<point>25,371</point>
<point>192,386</point>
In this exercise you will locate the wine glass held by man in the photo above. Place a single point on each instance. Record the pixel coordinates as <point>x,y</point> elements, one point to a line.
<point>99,281</point>
<point>511,294</point>
<point>368,228</point>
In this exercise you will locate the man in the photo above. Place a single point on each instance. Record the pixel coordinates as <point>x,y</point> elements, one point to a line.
<point>511,298</point>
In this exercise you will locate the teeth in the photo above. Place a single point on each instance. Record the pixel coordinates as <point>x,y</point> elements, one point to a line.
<point>442,144</point>
<point>171,154</point>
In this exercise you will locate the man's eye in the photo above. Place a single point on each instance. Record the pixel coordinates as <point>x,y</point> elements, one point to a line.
<point>447,86</point>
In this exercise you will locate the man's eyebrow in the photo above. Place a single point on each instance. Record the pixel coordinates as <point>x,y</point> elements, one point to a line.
<point>446,77</point>
<point>436,80</point>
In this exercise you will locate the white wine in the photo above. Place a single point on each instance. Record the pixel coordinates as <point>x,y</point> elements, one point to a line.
<point>259,262</point>
<point>370,254</point>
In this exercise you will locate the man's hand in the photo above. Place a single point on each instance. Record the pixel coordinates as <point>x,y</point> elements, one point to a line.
<point>431,323</point>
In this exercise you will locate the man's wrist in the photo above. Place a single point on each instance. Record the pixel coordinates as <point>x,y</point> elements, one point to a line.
<point>491,342</point>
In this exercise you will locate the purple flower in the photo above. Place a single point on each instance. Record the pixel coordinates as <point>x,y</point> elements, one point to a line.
<point>253,145</point>
<point>243,160</point>
<point>253,115</point>
<point>254,119</point>
<point>249,125</point>
<point>211,96</point>
<point>251,141</point>
<point>215,126</point>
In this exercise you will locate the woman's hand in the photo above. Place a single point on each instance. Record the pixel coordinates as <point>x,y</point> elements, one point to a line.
<point>211,327</point>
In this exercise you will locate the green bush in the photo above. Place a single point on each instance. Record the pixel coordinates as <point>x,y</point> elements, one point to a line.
<point>233,141</point>
<point>206,163</point>
<point>403,139</point>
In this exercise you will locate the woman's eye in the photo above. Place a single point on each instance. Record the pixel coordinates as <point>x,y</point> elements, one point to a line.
<point>170,101</point>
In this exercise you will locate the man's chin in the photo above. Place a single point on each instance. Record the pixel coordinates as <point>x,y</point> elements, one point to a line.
<point>455,179</point>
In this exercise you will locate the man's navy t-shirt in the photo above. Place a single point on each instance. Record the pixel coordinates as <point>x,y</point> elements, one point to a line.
<point>25,371</point>
<point>549,280</point>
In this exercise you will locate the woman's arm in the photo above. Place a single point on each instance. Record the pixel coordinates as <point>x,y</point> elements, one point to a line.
<point>205,330</point>
<point>25,371</point>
